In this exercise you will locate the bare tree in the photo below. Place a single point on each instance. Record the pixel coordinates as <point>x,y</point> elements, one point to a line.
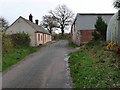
<point>64,16</point>
<point>116,4</point>
<point>3,24</point>
<point>49,22</point>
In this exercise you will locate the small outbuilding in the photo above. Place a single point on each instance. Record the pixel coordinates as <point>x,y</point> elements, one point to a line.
<point>38,34</point>
<point>83,26</point>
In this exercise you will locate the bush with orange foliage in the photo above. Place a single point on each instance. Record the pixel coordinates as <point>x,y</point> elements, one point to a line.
<point>110,45</point>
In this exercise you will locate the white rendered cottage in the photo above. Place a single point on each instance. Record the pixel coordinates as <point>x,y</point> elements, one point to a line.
<point>38,34</point>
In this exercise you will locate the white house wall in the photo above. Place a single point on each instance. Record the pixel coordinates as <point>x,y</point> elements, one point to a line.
<point>21,26</point>
<point>44,38</point>
<point>73,33</point>
<point>39,41</point>
<point>47,38</point>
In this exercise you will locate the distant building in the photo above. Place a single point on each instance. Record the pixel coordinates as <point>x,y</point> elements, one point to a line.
<point>38,34</point>
<point>83,26</point>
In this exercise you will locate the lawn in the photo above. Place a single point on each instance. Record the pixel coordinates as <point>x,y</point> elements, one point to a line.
<point>94,67</point>
<point>15,55</point>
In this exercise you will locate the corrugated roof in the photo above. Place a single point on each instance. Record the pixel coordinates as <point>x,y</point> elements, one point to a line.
<point>86,21</point>
<point>96,13</point>
<point>35,26</point>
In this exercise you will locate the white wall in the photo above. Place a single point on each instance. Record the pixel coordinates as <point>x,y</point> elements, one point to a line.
<point>21,26</point>
<point>44,38</point>
<point>39,41</point>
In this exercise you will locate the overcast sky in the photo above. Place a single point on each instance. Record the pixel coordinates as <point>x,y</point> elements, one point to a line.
<point>12,9</point>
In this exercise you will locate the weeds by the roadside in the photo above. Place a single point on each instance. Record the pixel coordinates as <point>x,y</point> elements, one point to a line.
<point>71,44</point>
<point>15,55</point>
<point>94,67</point>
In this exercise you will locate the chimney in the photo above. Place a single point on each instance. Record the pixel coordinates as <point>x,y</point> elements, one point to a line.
<point>36,21</point>
<point>31,17</point>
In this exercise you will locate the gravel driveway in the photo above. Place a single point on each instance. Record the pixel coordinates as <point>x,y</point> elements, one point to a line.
<point>44,69</point>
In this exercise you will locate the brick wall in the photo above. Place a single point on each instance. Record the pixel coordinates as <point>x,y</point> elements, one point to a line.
<point>86,35</point>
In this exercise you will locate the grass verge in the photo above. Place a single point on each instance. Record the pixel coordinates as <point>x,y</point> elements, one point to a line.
<point>71,44</point>
<point>15,55</point>
<point>94,67</point>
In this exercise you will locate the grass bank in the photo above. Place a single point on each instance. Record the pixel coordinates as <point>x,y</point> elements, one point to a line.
<point>94,67</point>
<point>15,55</point>
<point>71,44</point>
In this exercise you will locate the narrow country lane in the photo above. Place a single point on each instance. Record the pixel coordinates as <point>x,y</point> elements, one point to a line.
<point>43,69</point>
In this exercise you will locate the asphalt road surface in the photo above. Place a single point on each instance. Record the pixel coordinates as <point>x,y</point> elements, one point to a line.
<point>45,68</point>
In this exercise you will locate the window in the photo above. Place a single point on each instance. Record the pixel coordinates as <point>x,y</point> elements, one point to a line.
<point>45,37</point>
<point>41,37</point>
<point>38,37</point>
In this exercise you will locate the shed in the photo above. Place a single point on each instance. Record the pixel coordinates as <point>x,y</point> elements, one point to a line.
<point>83,26</point>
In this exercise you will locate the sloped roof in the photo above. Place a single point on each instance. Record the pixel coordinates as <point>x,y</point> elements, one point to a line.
<point>86,21</point>
<point>36,27</point>
<point>96,13</point>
